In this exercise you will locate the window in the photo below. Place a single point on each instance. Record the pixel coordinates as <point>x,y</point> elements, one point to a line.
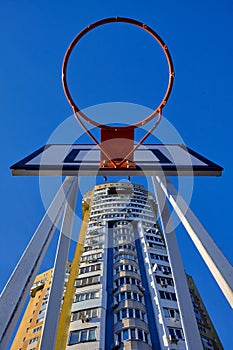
<point>132,333</point>
<point>40,316</point>
<point>95,232</point>
<point>153,238</point>
<point>198,316</point>
<point>81,336</point>
<point>37,329</point>
<point>176,332</point>
<point>125,334</point>
<point>164,282</point>
<point>157,246</point>
<point>136,296</point>
<point>33,340</point>
<point>93,247</point>
<point>140,334</point>
<point>124,246</point>
<point>86,296</point>
<point>167,295</point>
<point>159,257</point>
<point>94,240</point>
<point>130,313</point>
<point>129,295</point>
<point>166,270</point>
<point>43,306</point>
<point>81,282</point>
<point>202,329</point>
<point>125,267</point>
<point>91,334</point>
<point>122,296</point>
<point>120,281</point>
<point>91,257</point>
<point>90,268</point>
<point>126,280</point>
<point>208,344</point>
<point>172,313</point>
<point>124,313</point>
<point>124,256</point>
<point>85,315</point>
<point>124,237</point>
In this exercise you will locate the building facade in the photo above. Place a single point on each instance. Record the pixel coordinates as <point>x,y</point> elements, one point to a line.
<point>206,328</point>
<point>124,295</point>
<point>30,329</point>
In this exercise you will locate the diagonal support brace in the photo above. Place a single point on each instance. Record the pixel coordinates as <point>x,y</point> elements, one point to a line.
<point>18,287</point>
<point>217,263</point>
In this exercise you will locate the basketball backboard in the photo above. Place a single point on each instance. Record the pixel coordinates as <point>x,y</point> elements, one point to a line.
<point>151,159</point>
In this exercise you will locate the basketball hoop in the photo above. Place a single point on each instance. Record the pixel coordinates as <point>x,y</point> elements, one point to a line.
<point>113,155</point>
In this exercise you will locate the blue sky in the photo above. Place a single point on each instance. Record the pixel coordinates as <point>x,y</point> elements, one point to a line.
<point>119,65</point>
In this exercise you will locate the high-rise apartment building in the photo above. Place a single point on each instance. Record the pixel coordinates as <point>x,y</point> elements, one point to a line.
<point>206,328</point>
<point>29,332</point>
<point>124,295</point>
<point>30,329</point>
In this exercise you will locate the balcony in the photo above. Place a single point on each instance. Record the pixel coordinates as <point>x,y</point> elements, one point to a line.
<point>36,287</point>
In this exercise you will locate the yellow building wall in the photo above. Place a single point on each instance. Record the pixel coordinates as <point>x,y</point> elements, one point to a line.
<point>30,329</point>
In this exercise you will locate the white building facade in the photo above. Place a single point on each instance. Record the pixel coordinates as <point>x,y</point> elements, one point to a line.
<point>125,296</point>
<point>120,290</point>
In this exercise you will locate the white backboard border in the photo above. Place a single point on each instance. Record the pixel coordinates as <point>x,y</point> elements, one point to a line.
<point>150,159</point>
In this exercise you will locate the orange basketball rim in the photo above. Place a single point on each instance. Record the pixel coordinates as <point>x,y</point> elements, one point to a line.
<point>113,155</point>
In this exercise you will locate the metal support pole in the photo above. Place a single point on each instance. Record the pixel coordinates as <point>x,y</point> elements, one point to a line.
<point>217,263</point>
<point>57,288</point>
<point>65,314</point>
<point>18,287</point>
<point>188,320</point>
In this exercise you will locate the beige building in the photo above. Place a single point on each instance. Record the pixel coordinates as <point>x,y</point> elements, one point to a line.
<point>30,329</point>
<point>29,332</point>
